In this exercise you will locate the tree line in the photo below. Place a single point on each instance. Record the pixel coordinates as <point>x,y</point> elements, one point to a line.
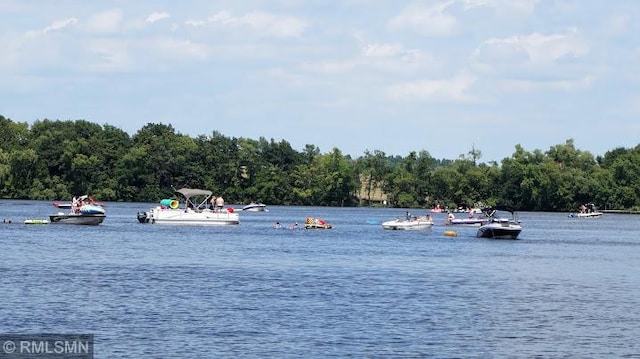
<point>53,159</point>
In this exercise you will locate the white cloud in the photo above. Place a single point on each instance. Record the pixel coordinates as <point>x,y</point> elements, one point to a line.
<point>452,89</point>
<point>382,50</point>
<point>562,85</point>
<point>533,48</point>
<point>60,24</point>
<point>157,16</point>
<point>107,55</point>
<point>426,20</point>
<point>258,21</point>
<point>55,26</point>
<point>106,22</point>
<point>170,48</point>
<point>521,6</point>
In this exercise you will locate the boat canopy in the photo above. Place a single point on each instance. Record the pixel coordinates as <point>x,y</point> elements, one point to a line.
<point>491,210</point>
<point>190,192</point>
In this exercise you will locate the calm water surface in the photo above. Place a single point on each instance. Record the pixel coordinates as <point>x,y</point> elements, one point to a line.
<point>567,288</point>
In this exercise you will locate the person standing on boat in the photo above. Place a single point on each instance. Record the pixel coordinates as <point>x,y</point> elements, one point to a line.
<point>212,203</point>
<point>219,203</point>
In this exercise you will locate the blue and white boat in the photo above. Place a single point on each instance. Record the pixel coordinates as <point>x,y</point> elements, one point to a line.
<point>84,211</point>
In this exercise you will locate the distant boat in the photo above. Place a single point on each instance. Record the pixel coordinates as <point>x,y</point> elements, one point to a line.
<point>588,210</point>
<point>409,224</point>
<point>62,205</point>
<point>466,221</point>
<point>471,220</point>
<point>255,207</point>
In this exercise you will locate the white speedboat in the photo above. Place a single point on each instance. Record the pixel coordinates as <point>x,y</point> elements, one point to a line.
<point>503,223</point>
<point>255,207</point>
<point>470,221</point>
<point>194,211</point>
<point>413,223</point>
<point>588,210</point>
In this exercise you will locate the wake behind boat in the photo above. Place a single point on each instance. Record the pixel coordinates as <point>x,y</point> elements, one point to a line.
<point>194,211</point>
<point>503,223</point>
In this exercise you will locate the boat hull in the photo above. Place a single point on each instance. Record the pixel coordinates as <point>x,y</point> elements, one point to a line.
<point>499,231</point>
<point>81,219</point>
<point>586,215</point>
<point>181,217</point>
<point>405,225</point>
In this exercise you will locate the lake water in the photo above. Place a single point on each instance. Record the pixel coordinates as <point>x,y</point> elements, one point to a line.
<point>567,288</point>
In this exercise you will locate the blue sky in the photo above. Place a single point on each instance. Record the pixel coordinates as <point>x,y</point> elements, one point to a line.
<point>388,75</point>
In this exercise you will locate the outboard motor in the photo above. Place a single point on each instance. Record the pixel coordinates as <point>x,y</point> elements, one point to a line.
<point>142,217</point>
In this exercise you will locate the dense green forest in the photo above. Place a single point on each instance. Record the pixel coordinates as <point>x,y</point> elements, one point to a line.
<point>51,160</point>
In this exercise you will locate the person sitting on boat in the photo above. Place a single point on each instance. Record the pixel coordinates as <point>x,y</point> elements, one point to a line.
<point>76,203</point>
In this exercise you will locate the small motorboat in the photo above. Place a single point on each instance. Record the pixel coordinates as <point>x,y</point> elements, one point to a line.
<point>316,223</point>
<point>588,210</point>
<point>78,218</point>
<point>411,223</point>
<point>84,211</point>
<point>255,207</point>
<point>503,223</point>
<point>470,221</point>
